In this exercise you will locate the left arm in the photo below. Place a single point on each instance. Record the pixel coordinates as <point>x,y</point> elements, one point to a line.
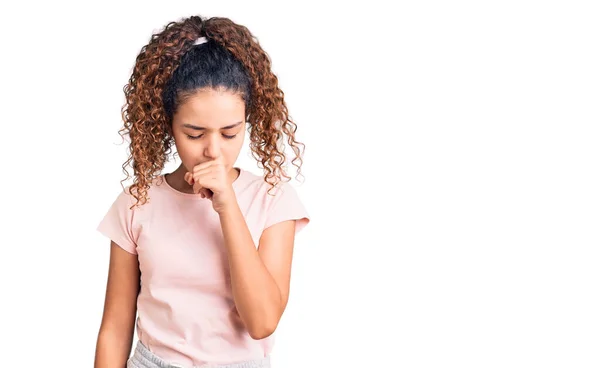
<point>260,279</point>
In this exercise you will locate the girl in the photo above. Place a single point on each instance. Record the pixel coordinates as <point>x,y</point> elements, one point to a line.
<point>202,254</point>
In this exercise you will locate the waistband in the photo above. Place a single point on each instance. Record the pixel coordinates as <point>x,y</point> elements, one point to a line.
<point>144,358</point>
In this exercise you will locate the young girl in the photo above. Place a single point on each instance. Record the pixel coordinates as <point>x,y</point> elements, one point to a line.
<point>202,254</point>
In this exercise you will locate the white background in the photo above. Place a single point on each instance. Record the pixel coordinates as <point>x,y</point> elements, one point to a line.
<point>451,172</point>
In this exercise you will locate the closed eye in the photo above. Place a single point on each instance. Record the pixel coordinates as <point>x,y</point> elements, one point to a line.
<point>200,136</point>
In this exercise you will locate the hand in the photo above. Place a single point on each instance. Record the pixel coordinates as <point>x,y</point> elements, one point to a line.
<point>210,180</point>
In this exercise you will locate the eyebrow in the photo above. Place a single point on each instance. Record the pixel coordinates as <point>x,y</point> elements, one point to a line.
<point>195,127</point>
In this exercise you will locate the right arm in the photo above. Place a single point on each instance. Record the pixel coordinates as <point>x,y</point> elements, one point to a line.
<point>115,337</point>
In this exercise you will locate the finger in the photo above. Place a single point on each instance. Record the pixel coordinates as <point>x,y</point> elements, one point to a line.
<point>205,182</point>
<point>204,165</point>
<point>203,185</point>
<point>207,186</point>
<point>197,187</point>
<point>208,172</point>
<point>203,191</point>
<point>189,178</point>
<point>207,193</point>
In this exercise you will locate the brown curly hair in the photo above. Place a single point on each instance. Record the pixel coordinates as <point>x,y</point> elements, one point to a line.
<point>148,122</point>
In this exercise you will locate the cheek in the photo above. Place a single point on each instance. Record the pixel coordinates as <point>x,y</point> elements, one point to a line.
<point>233,146</point>
<point>186,149</point>
<point>232,149</point>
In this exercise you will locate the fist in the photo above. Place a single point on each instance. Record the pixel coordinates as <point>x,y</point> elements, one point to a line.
<point>211,180</point>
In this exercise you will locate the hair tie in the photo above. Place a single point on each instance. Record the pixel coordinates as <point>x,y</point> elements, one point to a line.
<point>200,41</point>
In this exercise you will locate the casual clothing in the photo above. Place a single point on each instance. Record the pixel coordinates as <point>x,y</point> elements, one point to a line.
<point>144,358</point>
<point>186,311</point>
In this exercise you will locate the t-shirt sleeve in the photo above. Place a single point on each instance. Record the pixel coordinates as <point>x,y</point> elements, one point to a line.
<point>287,206</point>
<point>118,224</point>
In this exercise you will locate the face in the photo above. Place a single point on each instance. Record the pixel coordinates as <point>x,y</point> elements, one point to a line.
<point>207,125</point>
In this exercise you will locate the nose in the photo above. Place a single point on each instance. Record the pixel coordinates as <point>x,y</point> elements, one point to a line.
<point>212,150</point>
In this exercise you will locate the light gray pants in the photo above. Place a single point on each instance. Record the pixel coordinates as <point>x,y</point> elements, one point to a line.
<point>144,358</point>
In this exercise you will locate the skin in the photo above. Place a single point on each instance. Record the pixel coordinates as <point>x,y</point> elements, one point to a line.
<point>260,278</point>
<point>209,133</point>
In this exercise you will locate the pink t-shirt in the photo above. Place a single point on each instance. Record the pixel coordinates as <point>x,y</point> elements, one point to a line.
<point>186,312</point>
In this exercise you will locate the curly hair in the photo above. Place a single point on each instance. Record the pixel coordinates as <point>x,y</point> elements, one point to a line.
<point>171,68</point>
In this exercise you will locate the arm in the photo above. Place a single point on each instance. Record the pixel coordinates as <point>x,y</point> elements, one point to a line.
<point>118,321</point>
<point>260,278</point>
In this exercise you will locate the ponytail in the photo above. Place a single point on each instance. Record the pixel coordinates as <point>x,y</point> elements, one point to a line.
<point>171,68</point>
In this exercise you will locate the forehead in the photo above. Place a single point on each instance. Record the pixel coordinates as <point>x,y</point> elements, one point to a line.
<point>211,108</point>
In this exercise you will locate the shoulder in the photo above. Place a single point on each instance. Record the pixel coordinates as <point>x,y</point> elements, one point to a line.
<point>127,201</point>
<point>124,198</point>
<point>279,203</point>
<point>256,186</point>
